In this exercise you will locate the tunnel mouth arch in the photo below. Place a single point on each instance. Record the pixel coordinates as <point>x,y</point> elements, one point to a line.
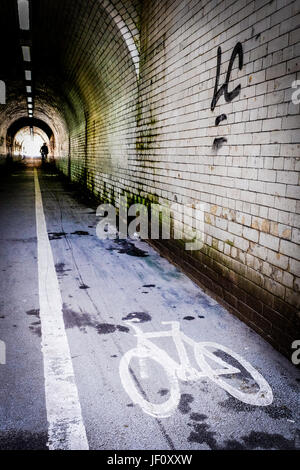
<point>28,142</point>
<point>30,124</point>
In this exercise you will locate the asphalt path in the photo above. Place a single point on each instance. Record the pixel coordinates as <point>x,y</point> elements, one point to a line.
<point>128,392</point>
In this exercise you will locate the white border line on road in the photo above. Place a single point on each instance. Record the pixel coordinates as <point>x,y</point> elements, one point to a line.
<point>66,428</point>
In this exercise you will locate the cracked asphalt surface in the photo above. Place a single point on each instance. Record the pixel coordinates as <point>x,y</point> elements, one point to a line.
<point>104,284</point>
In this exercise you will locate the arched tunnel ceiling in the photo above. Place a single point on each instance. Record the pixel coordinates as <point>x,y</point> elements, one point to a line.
<point>71,48</point>
<point>68,38</point>
<point>27,122</point>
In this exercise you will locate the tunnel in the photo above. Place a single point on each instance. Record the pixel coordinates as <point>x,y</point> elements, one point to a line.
<point>26,136</point>
<point>166,206</point>
<point>69,72</point>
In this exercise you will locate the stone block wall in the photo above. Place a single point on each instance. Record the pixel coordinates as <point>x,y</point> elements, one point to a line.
<point>207,115</point>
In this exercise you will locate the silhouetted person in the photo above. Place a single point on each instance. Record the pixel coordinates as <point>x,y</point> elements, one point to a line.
<point>44,152</point>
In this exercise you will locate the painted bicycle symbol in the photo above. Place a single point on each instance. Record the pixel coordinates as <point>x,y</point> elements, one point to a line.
<point>184,371</point>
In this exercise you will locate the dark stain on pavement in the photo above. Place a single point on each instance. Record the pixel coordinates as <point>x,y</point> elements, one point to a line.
<point>128,248</point>
<point>60,268</point>
<point>81,233</point>
<point>23,440</point>
<point>268,441</point>
<point>74,319</point>
<point>202,435</point>
<point>233,444</point>
<point>107,328</point>
<point>23,240</point>
<point>34,312</point>
<point>82,320</point>
<point>36,330</point>
<point>198,417</point>
<point>232,404</point>
<point>255,440</point>
<point>262,440</point>
<point>278,412</point>
<point>163,392</point>
<point>184,404</point>
<point>84,287</point>
<point>56,235</point>
<point>140,317</point>
<point>275,412</point>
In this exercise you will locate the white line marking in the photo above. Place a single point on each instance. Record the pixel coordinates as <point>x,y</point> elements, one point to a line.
<point>66,429</point>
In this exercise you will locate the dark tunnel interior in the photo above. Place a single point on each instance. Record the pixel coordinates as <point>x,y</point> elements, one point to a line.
<point>72,58</point>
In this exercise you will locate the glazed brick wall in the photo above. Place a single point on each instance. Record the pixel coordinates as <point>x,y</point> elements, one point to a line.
<point>103,96</point>
<point>153,137</point>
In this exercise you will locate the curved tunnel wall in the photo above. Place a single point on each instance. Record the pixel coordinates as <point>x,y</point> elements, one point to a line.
<point>96,78</point>
<point>128,89</point>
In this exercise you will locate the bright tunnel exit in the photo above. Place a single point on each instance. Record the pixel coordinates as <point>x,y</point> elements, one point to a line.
<point>31,146</point>
<point>28,142</point>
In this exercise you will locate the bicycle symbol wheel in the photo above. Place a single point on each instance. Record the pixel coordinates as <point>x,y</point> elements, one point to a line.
<point>137,395</point>
<point>262,397</point>
<point>258,394</point>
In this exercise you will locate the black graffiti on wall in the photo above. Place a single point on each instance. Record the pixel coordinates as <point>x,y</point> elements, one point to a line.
<point>223,90</point>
